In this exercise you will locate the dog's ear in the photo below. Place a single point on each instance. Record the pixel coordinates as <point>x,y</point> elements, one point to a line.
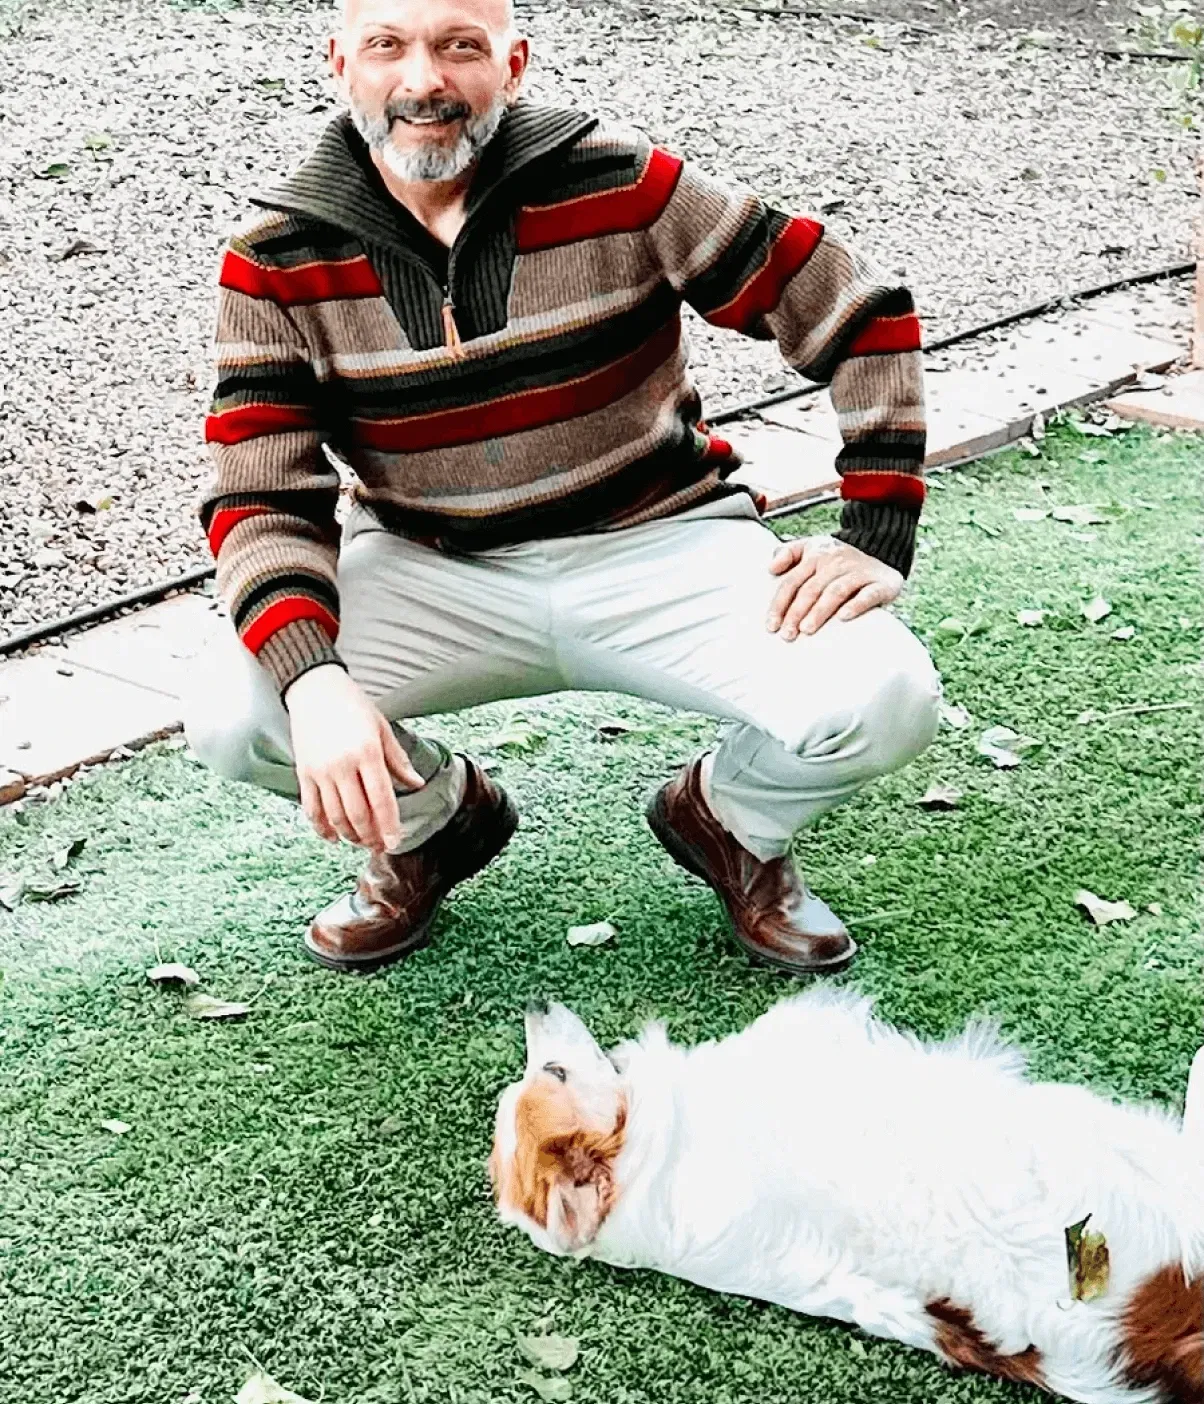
<point>582,1187</point>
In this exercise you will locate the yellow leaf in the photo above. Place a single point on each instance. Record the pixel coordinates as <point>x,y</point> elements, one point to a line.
<point>1088,1262</point>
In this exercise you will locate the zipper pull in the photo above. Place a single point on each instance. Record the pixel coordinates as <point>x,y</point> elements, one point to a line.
<point>451,332</point>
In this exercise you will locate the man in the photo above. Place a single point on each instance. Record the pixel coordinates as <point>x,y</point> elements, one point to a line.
<point>475,302</point>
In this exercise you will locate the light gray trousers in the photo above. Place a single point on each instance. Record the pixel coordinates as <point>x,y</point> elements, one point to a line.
<point>673,611</point>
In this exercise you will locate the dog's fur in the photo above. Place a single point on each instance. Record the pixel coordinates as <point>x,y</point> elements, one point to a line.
<point>825,1161</point>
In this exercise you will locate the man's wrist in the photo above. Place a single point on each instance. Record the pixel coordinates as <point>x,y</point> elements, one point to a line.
<point>316,678</point>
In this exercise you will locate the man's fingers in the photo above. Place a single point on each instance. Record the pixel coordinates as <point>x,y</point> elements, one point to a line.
<point>399,764</point>
<point>830,599</point>
<point>378,788</point>
<point>311,803</point>
<point>332,804</point>
<point>864,600</point>
<point>788,553</point>
<point>357,809</point>
<point>786,593</point>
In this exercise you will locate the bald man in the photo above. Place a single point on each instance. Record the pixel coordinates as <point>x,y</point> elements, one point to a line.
<point>471,305</point>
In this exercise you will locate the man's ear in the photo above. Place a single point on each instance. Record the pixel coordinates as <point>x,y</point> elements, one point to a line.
<point>582,1187</point>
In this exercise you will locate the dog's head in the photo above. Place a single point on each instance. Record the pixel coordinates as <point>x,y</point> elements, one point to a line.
<point>557,1135</point>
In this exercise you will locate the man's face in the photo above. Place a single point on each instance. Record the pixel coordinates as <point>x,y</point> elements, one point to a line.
<point>427,81</point>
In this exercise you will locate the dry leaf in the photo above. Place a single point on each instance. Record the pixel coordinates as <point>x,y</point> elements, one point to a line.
<point>1100,911</point>
<point>1030,618</point>
<point>515,740</point>
<point>1083,514</point>
<point>203,1006</point>
<point>596,934</point>
<point>1030,514</point>
<point>1087,1261</point>
<point>11,892</point>
<point>1004,747</point>
<point>554,1388</point>
<point>50,892</point>
<point>1154,908</point>
<point>940,797</point>
<point>261,1388</point>
<point>550,1352</point>
<point>118,1128</point>
<point>1124,633</point>
<point>62,856</point>
<point>954,715</point>
<point>172,974</point>
<point>1096,609</point>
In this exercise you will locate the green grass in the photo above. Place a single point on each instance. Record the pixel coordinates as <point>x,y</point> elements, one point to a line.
<point>307,1187</point>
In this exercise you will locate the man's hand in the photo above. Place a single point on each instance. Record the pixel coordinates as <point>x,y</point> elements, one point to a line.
<point>822,577</point>
<point>347,758</point>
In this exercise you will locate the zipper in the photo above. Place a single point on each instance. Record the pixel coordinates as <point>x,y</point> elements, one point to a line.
<point>451,332</point>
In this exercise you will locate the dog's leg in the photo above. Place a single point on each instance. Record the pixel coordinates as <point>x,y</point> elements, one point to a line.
<point>880,1311</point>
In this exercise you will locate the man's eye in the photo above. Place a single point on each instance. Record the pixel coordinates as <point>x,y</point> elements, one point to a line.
<point>556,1070</point>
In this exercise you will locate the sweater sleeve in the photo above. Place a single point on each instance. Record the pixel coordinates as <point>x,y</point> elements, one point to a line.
<point>269,510</point>
<point>744,265</point>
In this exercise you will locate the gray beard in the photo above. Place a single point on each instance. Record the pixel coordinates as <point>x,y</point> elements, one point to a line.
<point>433,161</point>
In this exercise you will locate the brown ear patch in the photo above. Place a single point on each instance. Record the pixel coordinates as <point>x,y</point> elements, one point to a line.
<point>962,1344</point>
<point>1162,1334</point>
<point>551,1143</point>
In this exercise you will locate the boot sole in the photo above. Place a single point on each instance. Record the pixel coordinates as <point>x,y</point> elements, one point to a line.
<point>686,856</point>
<point>420,937</point>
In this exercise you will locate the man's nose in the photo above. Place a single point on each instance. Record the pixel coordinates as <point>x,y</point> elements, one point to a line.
<point>420,72</point>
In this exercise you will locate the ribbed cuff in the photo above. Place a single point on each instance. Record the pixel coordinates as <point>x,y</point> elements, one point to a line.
<point>295,649</point>
<point>882,530</point>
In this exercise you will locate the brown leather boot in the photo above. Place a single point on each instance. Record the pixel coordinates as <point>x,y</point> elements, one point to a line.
<point>774,917</point>
<point>394,903</point>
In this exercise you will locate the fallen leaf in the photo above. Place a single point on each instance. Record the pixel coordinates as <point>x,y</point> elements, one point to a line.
<point>1030,514</point>
<point>11,891</point>
<point>50,891</point>
<point>952,627</point>
<point>1124,633</point>
<point>1087,1260</point>
<point>954,715</point>
<point>1096,609</point>
<point>62,856</point>
<point>57,170</point>
<point>1037,428</point>
<point>858,1348</point>
<point>596,934</point>
<point>1031,617</point>
<point>1154,908</point>
<point>101,502</point>
<point>550,1352</point>
<point>1004,747</point>
<point>118,1128</point>
<point>940,797</point>
<point>1082,514</point>
<point>240,20</point>
<point>390,1126</point>
<point>1100,911</point>
<point>261,1388</point>
<point>172,974</point>
<point>203,1006</point>
<point>98,141</point>
<point>554,1388</point>
<point>515,740</point>
<point>77,247</point>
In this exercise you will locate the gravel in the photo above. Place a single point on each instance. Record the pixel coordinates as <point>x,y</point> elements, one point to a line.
<point>987,169</point>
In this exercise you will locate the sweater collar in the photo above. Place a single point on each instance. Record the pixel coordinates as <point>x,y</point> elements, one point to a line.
<point>339,184</point>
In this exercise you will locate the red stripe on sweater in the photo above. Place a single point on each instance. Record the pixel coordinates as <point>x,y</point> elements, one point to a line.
<point>905,489</point>
<point>225,519</point>
<point>606,212</point>
<point>887,334</point>
<point>235,426</point>
<point>528,409</point>
<point>762,292</point>
<point>320,281</point>
<point>287,611</point>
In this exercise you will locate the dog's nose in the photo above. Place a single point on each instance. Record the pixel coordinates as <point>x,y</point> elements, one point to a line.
<point>538,1008</point>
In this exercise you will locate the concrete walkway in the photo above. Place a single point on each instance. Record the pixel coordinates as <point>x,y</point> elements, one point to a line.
<point>115,687</point>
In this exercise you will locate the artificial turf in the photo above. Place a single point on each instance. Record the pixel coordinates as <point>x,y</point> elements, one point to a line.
<point>306,1188</point>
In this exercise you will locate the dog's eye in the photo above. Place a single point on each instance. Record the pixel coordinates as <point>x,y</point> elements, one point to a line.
<point>556,1070</point>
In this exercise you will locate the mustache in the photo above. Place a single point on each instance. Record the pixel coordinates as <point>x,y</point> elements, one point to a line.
<point>445,110</point>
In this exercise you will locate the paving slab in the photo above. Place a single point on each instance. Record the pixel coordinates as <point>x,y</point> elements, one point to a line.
<point>56,716</point>
<point>957,432</point>
<point>1179,404</point>
<point>813,415</point>
<point>155,648</point>
<point>783,464</point>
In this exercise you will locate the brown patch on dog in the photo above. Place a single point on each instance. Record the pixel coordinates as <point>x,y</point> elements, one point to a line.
<point>961,1343</point>
<point>553,1145</point>
<point>1162,1334</point>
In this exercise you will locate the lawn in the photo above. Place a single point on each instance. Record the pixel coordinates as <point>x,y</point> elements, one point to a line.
<point>306,1188</point>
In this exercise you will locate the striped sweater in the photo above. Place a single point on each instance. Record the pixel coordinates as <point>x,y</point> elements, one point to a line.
<point>530,382</point>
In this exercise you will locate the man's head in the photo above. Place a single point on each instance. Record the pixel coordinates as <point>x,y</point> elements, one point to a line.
<point>428,81</point>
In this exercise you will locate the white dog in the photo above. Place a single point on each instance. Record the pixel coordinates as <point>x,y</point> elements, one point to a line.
<point>832,1164</point>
